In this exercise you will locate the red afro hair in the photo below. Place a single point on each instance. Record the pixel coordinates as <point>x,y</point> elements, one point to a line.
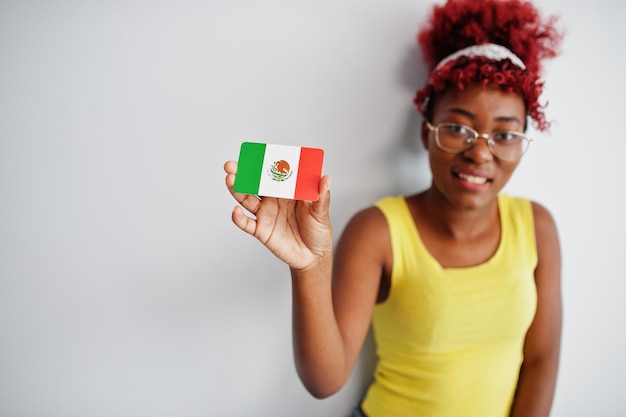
<point>513,24</point>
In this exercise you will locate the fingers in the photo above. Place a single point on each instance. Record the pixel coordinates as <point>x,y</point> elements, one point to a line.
<point>242,221</point>
<point>252,204</point>
<point>249,202</point>
<point>322,204</point>
<point>325,186</point>
<point>230,167</point>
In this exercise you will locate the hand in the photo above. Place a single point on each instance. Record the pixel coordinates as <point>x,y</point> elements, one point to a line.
<point>297,232</point>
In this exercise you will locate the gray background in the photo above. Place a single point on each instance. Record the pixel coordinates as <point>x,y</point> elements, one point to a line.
<point>126,291</point>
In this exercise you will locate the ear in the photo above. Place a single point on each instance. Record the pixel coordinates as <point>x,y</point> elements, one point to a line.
<point>425,134</point>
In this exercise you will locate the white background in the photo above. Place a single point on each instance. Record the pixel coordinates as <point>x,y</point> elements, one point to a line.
<point>126,291</point>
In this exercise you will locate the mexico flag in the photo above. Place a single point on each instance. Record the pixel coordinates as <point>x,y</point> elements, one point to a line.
<point>279,171</point>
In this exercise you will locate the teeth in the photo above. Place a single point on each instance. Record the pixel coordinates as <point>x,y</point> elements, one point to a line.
<point>473,179</point>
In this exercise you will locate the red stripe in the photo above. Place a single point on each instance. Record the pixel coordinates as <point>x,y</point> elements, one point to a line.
<point>309,173</point>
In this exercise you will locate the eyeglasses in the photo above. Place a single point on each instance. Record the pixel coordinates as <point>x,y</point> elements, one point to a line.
<point>457,138</point>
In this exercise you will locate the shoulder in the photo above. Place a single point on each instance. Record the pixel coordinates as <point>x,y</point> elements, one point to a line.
<point>545,226</point>
<point>543,220</point>
<point>538,220</point>
<point>367,235</point>
<point>546,236</point>
<point>363,253</point>
<point>367,222</point>
<point>374,219</point>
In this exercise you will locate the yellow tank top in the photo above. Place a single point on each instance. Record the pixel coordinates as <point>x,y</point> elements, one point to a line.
<point>450,340</point>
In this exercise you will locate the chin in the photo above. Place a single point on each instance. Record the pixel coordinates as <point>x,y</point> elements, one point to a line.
<point>472,201</point>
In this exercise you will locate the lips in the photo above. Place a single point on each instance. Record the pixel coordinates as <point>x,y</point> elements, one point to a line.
<point>474,178</point>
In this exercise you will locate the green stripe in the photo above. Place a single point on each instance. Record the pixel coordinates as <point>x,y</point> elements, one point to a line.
<point>249,168</point>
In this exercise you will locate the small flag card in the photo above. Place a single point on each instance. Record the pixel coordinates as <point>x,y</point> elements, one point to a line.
<point>281,171</point>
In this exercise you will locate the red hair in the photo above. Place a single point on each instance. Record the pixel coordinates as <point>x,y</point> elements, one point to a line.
<point>513,24</point>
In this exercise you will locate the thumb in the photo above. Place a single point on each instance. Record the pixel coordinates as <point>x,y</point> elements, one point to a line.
<point>322,204</point>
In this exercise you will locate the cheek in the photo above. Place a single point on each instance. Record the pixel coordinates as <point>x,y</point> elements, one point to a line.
<point>426,142</point>
<point>505,171</point>
<point>509,167</point>
<point>439,160</point>
<point>437,154</point>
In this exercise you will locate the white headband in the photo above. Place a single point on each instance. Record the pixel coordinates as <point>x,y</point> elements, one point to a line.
<point>487,50</point>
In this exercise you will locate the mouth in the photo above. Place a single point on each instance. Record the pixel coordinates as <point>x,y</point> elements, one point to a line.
<point>473,179</point>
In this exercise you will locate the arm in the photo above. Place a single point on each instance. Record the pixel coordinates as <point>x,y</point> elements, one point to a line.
<point>535,389</point>
<point>330,315</point>
<point>331,320</point>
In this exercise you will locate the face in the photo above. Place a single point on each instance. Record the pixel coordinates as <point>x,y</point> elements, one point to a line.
<point>473,178</point>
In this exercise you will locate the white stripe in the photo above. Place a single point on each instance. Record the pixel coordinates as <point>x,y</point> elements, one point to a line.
<point>487,50</point>
<point>282,189</point>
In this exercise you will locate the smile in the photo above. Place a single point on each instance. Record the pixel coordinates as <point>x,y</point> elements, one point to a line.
<point>473,179</point>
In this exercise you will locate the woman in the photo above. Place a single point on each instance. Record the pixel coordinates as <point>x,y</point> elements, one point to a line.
<point>460,283</point>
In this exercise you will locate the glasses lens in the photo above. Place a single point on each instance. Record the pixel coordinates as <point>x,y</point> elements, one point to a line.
<point>509,145</point>
<point>455,138</point>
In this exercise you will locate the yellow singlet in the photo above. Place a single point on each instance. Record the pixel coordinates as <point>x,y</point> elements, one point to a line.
<point>450,340</point>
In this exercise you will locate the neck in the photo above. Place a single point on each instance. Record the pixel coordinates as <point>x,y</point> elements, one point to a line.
<point>454,221</point>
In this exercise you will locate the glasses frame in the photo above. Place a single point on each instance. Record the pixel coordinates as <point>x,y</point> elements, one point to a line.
<point>487,136</point>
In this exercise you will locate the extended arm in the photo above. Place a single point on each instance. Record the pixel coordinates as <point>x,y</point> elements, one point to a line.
<point>333,298</point>
<point>331,319</point>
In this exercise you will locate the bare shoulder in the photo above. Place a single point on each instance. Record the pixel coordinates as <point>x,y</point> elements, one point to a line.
<point>545,226</point>
<point>363,254</point>
<point>548,246</point>
<point>366,237</point>
<point>369,222</point>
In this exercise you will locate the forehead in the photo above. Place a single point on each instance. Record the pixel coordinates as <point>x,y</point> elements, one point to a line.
<point>488,102</point>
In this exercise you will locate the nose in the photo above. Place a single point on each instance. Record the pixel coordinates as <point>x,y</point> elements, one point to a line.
<point>479,152</point>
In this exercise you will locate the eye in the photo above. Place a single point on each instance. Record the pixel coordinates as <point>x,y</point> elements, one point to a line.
<point>460,129</point>
<point>457,130</point>
<point>507,137</point>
